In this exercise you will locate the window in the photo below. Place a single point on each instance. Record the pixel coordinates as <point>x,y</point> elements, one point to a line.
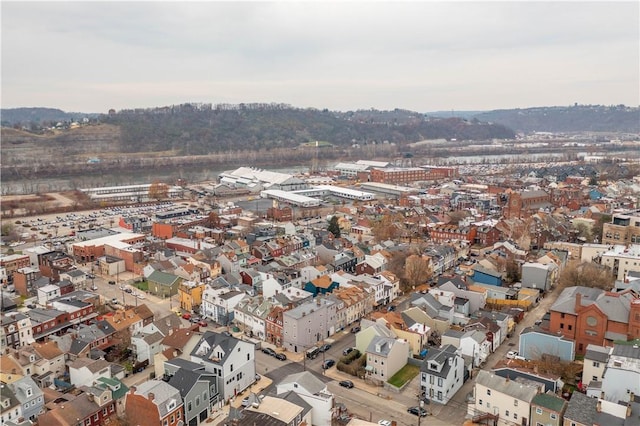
<point>189,407</point>
<point>538,410</point>
<point>197,401</point>
<point>96,417</point>
<point>172,419</point>
<point>515,416</point>
<point>104,411</point>
<point>553,416</point>
<point>431,380</point>
<point>87,422</point>
<point>594,378</point>
<point>439,396</point>
<point>440,381</point>
<point>515,402</point>
<point>165,422</point>
<point>248,357</point>
<point>488,391</point>
<point>570,327</point>
<point>562,325</point>
<point>488,405</point>
<point>178,414</point>
<point>506,413</point>
<point>596,364</point>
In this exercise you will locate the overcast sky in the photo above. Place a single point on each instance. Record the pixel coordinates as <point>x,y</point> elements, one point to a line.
<point>423,56</point>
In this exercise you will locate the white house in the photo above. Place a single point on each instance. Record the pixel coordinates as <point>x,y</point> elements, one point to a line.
<point>218,303</point>
<point>84,371</point>
<point>146,346</point>
<point>507,400</point>
<point>442,373</point>
<point>47,293</point>
<point>622,374</point>
<point>595,362</point>
<point>230,359</point>
<point>472,343</point>
<point>313,391</point>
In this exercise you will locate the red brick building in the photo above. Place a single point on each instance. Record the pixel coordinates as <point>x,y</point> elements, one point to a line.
<point>396,176</point>
<point>524,204</point>
<point>594,316</point>
<point>274,325</point>
<point>13,262</point>
<point>443,233</point>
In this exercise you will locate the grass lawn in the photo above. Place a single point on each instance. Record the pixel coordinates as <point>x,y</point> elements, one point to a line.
<point>144,285</point>
<point>405,375</point>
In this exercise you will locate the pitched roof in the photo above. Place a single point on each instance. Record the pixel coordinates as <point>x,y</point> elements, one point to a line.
<point>549,401</point>
<point>305,379</point>
<point>581,408</point>
<point>515,389</point>
<point>163,278</point>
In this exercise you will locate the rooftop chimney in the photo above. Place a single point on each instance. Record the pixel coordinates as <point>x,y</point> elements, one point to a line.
<point>628,413</point>
<point>151,396</point>
<point>578,302</point>
<point>599,406</point>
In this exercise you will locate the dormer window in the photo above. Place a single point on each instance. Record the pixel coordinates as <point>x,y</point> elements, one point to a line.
<point>171,405</point>
<point>32,358</point>
<point>29,391</point>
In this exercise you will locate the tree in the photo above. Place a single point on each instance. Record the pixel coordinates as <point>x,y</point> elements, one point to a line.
<point>158,190</point>
<point>417,270</point>
<point>586,274</point>
<point>456,216</point>
<point>334,227</point>
<point>596,230</point>
<point>386,228</point>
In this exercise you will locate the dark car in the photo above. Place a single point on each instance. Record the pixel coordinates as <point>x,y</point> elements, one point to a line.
<point>112,283</point>
<point>346,384</point>
<point>281,357</point>
<point>324,347</point>
<point>328,364</point>
<point>355,329</point>
<point>31,306</point>
<point>269,351</point>
<point>417,411</point>
<point>347,351</point>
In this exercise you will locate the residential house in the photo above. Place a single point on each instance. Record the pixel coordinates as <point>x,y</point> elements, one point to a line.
<point>406,328</point>
<point>622,259</point>
<point>250,316</point>
<point>313,391</point>
<point>231,360</point>
<point>489,328</point>
<point>507,401</point>
<point>547,409</point>
<point>180,343</point>
<point>595,361</point>
<point>321,285</point>
<point>81,409</point>
<point>385,357</point>
<point>622,374</point>
<point>190,295</point>
<point>146,346</point>
<point>539,276</point>
<point>472,343</point>
<point>84,371</point>
<point>308,324</point>
<point>29,395</point>
<point>288,410</point>
<point>372,264</point>
<point>438,316</point>
<point>199,392</point>
<point>442,373</point>
<point>594,316</point>
<point>274,324</point>
<point>535,343</point>
<point>10,407</point>
<point>219,301</point>
<point>523,371</point>
<point>16,330</point>
<point>53,362</point>
<point>482,275</point>
<point>369,331</point>
<point>477,297</point>
<point>154,402</point>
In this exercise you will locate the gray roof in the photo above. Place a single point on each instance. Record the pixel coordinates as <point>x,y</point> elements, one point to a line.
<point>581,409</point>
<point>213,340</point>
<point>616,307</point>
<point>518,390</point>
<point>627,351</point>
<point>306,380</point>
<point>184,380</point>
<point>440,356</point>
<point>162,392</point>
<point>384,344</point>
<point>597,353</point>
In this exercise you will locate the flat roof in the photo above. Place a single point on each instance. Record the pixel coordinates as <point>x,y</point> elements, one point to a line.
<point>114,240</point>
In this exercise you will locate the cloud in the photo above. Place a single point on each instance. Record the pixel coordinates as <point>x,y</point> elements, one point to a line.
<point>424,56</point>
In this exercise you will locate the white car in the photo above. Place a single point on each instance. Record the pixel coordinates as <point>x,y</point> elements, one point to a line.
<point>140,296</point>
<point>512,354</point>
<point>384,422</point>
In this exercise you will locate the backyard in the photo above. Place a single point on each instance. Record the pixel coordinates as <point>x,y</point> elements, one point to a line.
<point>405,375</point>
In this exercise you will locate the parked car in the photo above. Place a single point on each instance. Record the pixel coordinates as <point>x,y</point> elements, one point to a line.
<point>328,364</point>
<point>281,357</point>
<point>512,354</point>
<point>128,290</point>
<point>186,315</point>
<point>347,351</point>
<point>112,283</point>
<point>31,306</point>
<point>245,401</point>
<point>355,329</point>
<point>538,322</point>
<point>114,301</point>
<point>417,411</point>
<point>269,351</point>
<point>324,347</point>
<point>203,323</point>
<point>346,384</point>
<point>384,422</point>
<point>140,296</point>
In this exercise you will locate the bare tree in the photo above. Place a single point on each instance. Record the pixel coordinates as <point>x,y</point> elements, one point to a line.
<point>586,274</point>
<point>417,270</point>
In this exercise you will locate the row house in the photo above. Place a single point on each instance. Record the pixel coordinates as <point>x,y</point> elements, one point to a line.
<point>372,264</point>
<point>274,324</point>
<point>298,260</point>
<point>190,295</point>
<point>85,371</point>
<point>154,402</point>
<point>16,330</point>
<point>446,233</point>
<point>308,324</point>
<point>85,409</point>
<point>492,331</point>
<point>250,316</point>
<point>211,267</point>
<point>199,392</point>
<point>594,316</point>
<point>192,272</point>
<point>442,258</point>
<point>385,357</point>
<point>53,362</point>
<point>13,262</point>
<point>442,373</point>
<point>29,396</point>
<point>407,328</point>
<point>473,343</point>
<point>352,303</point>
<point>219,301</point>
<point>27,280</point>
